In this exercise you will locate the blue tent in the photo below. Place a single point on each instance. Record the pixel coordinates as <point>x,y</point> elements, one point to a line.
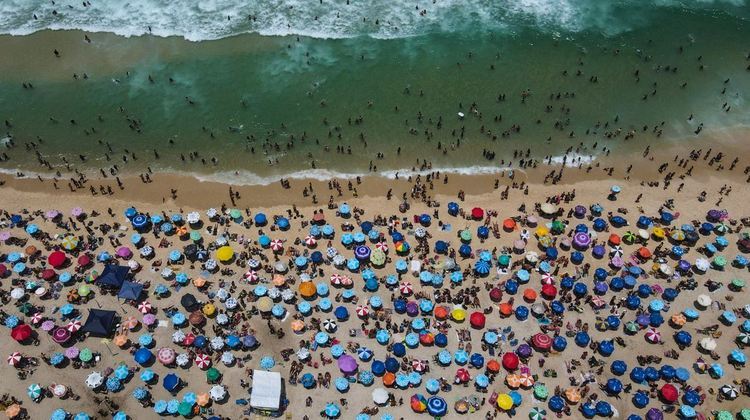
<point>112,276</point>
<point>130,290</point>
<point>99,323</point>
<point>170,382</point>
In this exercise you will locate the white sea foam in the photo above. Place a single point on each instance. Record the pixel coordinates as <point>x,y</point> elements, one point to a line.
<point>212,19</point>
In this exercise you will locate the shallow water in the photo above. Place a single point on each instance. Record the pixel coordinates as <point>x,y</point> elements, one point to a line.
<point>252,91</point>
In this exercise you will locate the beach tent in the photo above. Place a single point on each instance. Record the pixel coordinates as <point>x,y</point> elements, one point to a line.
<point>130,290</point>
<point>99,323</point>
<point>112,276</point>
<point>266,394</point>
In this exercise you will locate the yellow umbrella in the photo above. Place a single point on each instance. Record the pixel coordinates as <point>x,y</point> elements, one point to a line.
<point>659,233</point>
<point>265,304</point>
<point>504,401</point>
<point>458,314</point>
<point>224,253</point>
<point>541,231</point>
<point>209,309</point>
<point>70,243</point>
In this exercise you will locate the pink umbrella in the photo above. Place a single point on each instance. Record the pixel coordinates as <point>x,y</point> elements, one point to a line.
<point>547,278</point>
<point>652,335</point>
<point>71,352</point>
<point>166,355</point>
<point>382,246</point>
<point>251,276</point>
<point>203,361</point>
<point>519,244</point>
<point>310,240</point>
<point>60,335</point>
<point>4,236</point>
<point>14,358</point>
<point>37,318</point>
<point>144,307</point>
<point>48,325</point>
<point>149,319</point>
<point>346,281</point>
<point>77,211</point>
<point>51,214</point>
<point>617,262</point>
<point>336,279</point>
<point>73,325</point>
<point>598,302</point>
<point>277,245</point>
<point>124,252</point>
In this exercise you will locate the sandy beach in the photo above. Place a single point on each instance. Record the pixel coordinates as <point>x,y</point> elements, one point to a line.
<point>643,193</point>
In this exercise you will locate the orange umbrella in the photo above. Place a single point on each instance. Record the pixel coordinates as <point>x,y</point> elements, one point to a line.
<point>31,250</point>
<point>493,366</point>
<point>644,253</point>
<point>513,380</point>
<point>388,379</point>
<point>297,325</point>
<point>181,231</point>
<point>202,399</point>
<point>199,282</point>
<point>13,410</point>
<point>614,239</point>
<point>572,395</point>
<point>441,312</point>
<point>278,280</point>
<point>121,340</point>
<point>679,319</point>
<point>130,322</point>
<point>529,294</point>
<point>506,309</point>
<point>307,289</point>
<point>509,224</point>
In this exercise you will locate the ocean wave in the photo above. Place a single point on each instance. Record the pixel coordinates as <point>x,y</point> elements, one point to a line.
<point>214,19</point>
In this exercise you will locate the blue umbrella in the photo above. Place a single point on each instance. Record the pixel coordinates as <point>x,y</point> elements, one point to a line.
<point>559,343</point>
<point>432,386</point>
<point>341,313</point>
<point>606,348</point>
<point>436,406</point>
<point>147,375</point>
<point>122,372</point>
<point>341,384</point>
<point>691,398</point>
<point>482,267</point>
<point>588,410</point>
<point>113,384</point>
<point>307,380</point>
<point>412,339</point>
<point>603,409</point>
<point>382,336</point>
<point>190,398</point>
<point>170,382</point>
<point>687,411</point>
<point>482,381</point>
<point>267,362</point>
<point>638,374</point>
<point>613,322</point>
<point>178,318</point>
<point>325,304</point>
<point>441,340</point>
<point>173,406</point>
<point>140,393</point>
<point>556,403</point>
<point>682,374</point>
<point>337,350</point>
<point>160,406</point>
<point>640,399</point>
<point>614,386</point>
<point>477,360</point>
<point>365,377</point>
<point>490,337</point>
<point>461,357</point>
<point>683,338</point>
<point>59,414</point>
<point>651,374</point>
<point>332,410</point>
<point>619,367</point>
<point>399,349</point>
<point>582,339</point>
<point>444,357</point>
<point>391,365</point>
<point>56,358</point>
<point>378,368</point>
<point>402,380</point>
<point>11,321</point>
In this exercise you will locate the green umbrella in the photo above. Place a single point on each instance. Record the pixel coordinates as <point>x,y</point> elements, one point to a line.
<point>540,391</point>
<point>722,228</point>
<point>738,283</point>
<point>557,226</point>
<point>212,374</point>
<point>503,260</point>
<point>235,214</point>
<point>537,413</point>
<point>724,415</point>
<point>84,290</point>
<point>745,414</point>
<point>34,391</point>
<point>185,409</point>
<point>629,237</point>
<point>743,338</point>
<point>465,235</point>
<point>25,308</point>
<point>195,236</point>
<point>631,326</point>
<point>720,261</point>
<point>85,355</point>
<point>377,257</point>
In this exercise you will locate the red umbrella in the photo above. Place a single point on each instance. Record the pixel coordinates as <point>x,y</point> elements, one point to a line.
<point>669,393</point>
<point>56,259</point>
<point>510,361</point>
<point>477,320</point>
<point>549,291</point>
<point>496,294</point>
<point>203,361</point>
<point>60,335</point>
<point>541,341</point>
<point>462,376</point>
<point>84,260</point>
<point>477,213</point>
<point>189,339</point>
<point>426,339</point>
<point>21,332</point>
<point>48,274</point>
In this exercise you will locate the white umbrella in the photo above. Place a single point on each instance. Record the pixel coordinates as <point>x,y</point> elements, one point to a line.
<point>222,294</point>
<point>420,232</point>
<point>729,391</point>
<point>221,241</point>
<point>704,300</point>
<point>211,264</point>
<point>193,217</point>
<point>303,354</point>
<point>178,336</point>
<point>17,293</point>
<point>59,390</point>
<point>274,293</point>
<point>133,264</point>
<point>167,272</point>
<point>222,319</point>
<point>532,257</point>
<point>253,263</point>
<point>94,380</point>
<point>146,251</point>
<point>664,268</point>
<point>182,359</point>
<point>218,392</point>
<point>231,303</point>
<point>227,358</point>
<point>329,325</point>
<point>708,344</point>
<point>217,343</point>
<point>702,264</point>
<point>287,295</point>
<point>549,208</point>
<point>211,213</point>
<point>339,260</point>
<point>379,396</point>
<point>280,267</point>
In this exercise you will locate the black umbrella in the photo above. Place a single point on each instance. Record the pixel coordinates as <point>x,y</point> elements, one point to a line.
<point>189,302</point>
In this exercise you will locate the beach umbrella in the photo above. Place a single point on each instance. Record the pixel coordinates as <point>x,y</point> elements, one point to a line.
<point>212,375</point>
<point>113,384</point>
<point>217,392</point>
<point>267,362</point>
<point>537,413</point>
<point>436,406</point>
<point>556,403</point>
<point>573,395</point>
